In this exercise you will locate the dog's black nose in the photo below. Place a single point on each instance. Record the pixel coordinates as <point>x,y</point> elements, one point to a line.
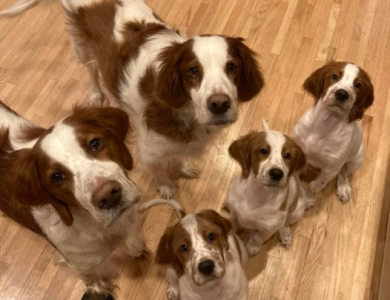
<point>276,174</point>
<point>206,267</point>
<point>218,104</point>
<point>342,95</point>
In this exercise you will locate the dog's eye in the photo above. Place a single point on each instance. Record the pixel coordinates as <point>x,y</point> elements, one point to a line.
<point>211,237</point>
<point>96,144</point>
<point>184,247</point>
<point>287,155</point>
<point>231,67</point>
<point>193,72</point>
<point>57,177</point>
<point>263,151</point>
<point>335,76</point>
<point>358,85</point>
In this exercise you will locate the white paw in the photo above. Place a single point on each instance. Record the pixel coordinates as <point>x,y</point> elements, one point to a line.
<point>95,99</point>
<point>167,191</point>
<point>285,237</point>
<point>253,250</point>
<point>188,170</point>
<point>343,192</point>
<point>172,293</point>
<point>310,202</point>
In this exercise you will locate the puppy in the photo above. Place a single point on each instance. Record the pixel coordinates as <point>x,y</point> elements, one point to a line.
<point>328,132</point>
<point>180,92</point>
<point>204,259</point>
<point>268,196</point>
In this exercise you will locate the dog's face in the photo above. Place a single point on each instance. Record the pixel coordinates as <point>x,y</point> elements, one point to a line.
<point>270,156</point>
<point>81,162</point>
<point>208,76</point>
<point>343,88</point>
<point>196,246</point>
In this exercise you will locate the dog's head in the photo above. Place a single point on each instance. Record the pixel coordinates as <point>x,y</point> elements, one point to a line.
<point>270,156</point>
<point>196,246</point>
<point>80,163</point>
<point>343,88</point>
<point>208,76</point>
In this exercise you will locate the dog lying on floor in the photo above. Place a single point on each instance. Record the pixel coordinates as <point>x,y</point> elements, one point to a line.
<point>268,196</point>
<point>204,259</point>
<point>328,132</point>
<point>180,92</point>
<point>69,184</point>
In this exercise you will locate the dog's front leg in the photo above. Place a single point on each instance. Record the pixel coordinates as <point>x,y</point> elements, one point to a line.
<point>173,287</point>
<point>317,186</point>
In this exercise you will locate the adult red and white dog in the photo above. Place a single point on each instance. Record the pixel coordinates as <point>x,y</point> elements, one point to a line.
<point>69,184</point>
<point>204,259</point>
<point>328,132</point>
<point>178,91</point>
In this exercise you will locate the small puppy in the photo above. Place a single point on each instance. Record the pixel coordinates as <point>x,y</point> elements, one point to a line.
<point>204,259</point>
<point>328,132</point>
<point>268,197</point>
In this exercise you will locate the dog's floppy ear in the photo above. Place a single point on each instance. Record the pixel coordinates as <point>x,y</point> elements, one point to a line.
<point>250,80</point>
<point>365,98</point>
<point>28,187</point>
<point>169,86</point>
<point>298,159</point>
<point>217,219</point>
<point>165,254</point>
<point>240,150</point>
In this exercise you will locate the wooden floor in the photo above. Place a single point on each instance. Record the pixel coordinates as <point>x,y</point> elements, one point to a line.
<point>338,250</point>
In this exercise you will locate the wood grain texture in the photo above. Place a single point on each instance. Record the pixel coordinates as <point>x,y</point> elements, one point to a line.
<point>339,251</point>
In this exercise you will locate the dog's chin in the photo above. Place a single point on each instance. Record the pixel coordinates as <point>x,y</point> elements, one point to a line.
<point>269,183</point>
<point>220,122</point>
<point>206,280</point>
<point>118,212</point>
<point>337,107</point>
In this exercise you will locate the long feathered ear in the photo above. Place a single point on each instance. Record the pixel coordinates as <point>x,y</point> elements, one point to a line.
<point>250,80</point>
<point>298,160</point>
<point>364,99</point>
<point>165,254</point>
<point>169,86</point>
<point>28,188</point>
<point>240,150</point>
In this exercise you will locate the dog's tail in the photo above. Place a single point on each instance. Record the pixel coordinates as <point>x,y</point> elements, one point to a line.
<point>265,125</point>
<point>19,7</point>
<point>178,208</point>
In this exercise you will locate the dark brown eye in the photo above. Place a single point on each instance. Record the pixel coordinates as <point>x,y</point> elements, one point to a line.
<point>96,144</point>
<point>335,76</point>
<point>287,155</point>
<point>358,85</point>
<point>211,237</point>
<point>263,151</point>
<point>231,67</point>
<point>57,177</point>
<point>193,72</point>
<point>184,247</point>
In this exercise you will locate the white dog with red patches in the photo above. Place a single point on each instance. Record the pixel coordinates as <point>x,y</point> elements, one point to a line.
<point>204,259</point>
<point>268,196</point>
<point>328,132</point>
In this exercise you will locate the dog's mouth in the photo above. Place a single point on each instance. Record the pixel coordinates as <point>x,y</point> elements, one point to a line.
<point>221,122</point>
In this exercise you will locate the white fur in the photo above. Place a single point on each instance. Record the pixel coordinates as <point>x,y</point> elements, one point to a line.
<point>330,141</point>
<point>255,202</point>
<point>230,283</point>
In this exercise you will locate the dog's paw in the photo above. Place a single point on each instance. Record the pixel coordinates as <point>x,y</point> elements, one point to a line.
<point>172,293</point>
<point>344,192</point>
<point>167,191</point>
<point>95,99</point>
<point>285,236</point>
<point>253,250</point>
<point>310,202</point>
<point>188,170</point>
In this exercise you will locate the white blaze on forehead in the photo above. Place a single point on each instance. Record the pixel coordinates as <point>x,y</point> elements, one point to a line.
<point>351,71</point>
<point>276,140</point>
<point>212,52</point>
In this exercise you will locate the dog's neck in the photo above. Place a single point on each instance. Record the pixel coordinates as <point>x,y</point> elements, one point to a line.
<point>323,119</point>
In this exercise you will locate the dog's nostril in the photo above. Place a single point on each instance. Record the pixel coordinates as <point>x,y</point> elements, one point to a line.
<point>206,267</point>
<point>108,195</point>
<point>276,174</point>
<point>342,95</point>
<point>218,104</point>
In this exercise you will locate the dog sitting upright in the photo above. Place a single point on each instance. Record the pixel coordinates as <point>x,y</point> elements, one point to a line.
<point>268,196</point>
<point>204,259</point>
<point>328,132</point>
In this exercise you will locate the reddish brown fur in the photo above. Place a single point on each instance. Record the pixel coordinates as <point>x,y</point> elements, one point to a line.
<point>320,80</point>
<point>298,159</point>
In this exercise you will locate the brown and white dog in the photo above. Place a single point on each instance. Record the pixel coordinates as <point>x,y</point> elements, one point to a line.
<point>328,132</point>
<point>69,184</point>
<point>204,259</point>
<point>178,91</point>
<point>268,196</point>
